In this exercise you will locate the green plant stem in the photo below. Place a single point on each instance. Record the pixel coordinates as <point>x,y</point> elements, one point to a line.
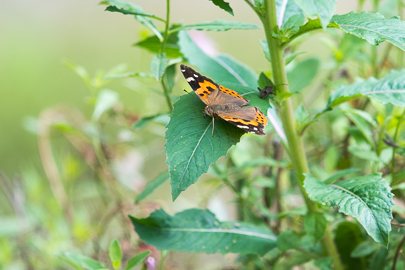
<point>295,144</point>
<point>401,117</point>
<point>162,52</point>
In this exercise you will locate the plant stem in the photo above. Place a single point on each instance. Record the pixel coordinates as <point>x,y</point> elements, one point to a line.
<point>295,145</point>
<point>162,53</point>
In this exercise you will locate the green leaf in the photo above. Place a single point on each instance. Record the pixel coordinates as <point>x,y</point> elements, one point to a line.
<point>137,259</point>
<point>364,249</point>
<point>106,100</point>
<point>366,198</point>
<point>191,143</point>
<point>160,117</point>
<point>217,25</point>
<point>362,121</point>
<point>127,8</point>
<point>220,68</point>
<point>115,254</point>
<point>302,74</point>
<point>169,77</point>
<point>223,5</point>
<point>347,236</point>
<point>158,65</point>
<point>315,225</point>
<point>83,261</point>
<point>154,45</point>
<point>323,9</point>
<point>286,10</point>
<point>373,27</point>
<point>151,186</point>
<point>197,230</point>
<point>390,89</point>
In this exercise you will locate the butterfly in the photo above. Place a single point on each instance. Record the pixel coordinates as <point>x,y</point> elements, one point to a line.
<point>225,103</point>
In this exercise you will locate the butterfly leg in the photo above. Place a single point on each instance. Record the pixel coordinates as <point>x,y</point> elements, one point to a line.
<point>213,125</point>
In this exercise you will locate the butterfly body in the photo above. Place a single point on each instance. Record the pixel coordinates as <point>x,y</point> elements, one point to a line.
<point>225,103</point>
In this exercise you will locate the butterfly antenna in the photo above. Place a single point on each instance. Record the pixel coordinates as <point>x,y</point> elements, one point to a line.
<point>186,91</point>
<point>213,125</point>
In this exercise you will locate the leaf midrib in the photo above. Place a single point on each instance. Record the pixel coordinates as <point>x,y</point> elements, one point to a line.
<point>192,154</point>
<point>217,230</point>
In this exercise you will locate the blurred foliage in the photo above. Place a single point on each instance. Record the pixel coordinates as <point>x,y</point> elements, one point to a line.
<point>104,160</point>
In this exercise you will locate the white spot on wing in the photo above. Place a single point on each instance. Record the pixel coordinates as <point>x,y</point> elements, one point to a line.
<point>183,70</point>
<point>189,79</point>
<point>195,75</point>
<point>242,126</point>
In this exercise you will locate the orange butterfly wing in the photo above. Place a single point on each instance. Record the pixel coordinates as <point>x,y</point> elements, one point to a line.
<point>230,106</point>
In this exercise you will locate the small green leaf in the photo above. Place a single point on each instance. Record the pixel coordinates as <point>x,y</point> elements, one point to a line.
<point>223,5</point>
<point>137,259</point>
<point>115,254</point>
<point>160,118</point>
<point>169,77</point>
<point>128,8</point>
<point>389,89</point>
<point>367,198</point>
<point>191,143</point>
<point>302,74</point>
<point>151,186</point>
<point>347,236</point>
<point>197,230</point>
<point>106,100</point>
<point>373,27</point>
<point>83,261</point>
<point>217,25</point>
<point>323,9</point>
<point>364,249</point>
<point>154,45</point>
<point>315,225</point>
<point>287,9</point>
<point>158,65</point>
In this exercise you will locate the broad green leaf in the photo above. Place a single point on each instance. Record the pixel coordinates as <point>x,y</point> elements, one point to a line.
<point>115,254</point>
<point>217,25</point>
<point>191,143</point>
<point>128,8</point>
<point>323,9</point>
<point>390,89</point>
<point>154,45</point>
<point>137,259</point>
<point>197,230</point>
<point>373,27</point>
<point>366,198</point>
<point>347,236</point>
<point>151,186</point>
<point>220,68</point>
<point>223,5</point>
<point>83,261</point>
<point>302,74</point>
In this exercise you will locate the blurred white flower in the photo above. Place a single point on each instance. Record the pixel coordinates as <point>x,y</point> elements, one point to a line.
<point>204,42</point>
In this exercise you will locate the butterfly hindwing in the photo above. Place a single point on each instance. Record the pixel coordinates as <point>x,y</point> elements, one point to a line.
<point>248,118</point>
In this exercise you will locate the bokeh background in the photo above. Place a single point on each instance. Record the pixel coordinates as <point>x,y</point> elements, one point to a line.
<point>40,41</point>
